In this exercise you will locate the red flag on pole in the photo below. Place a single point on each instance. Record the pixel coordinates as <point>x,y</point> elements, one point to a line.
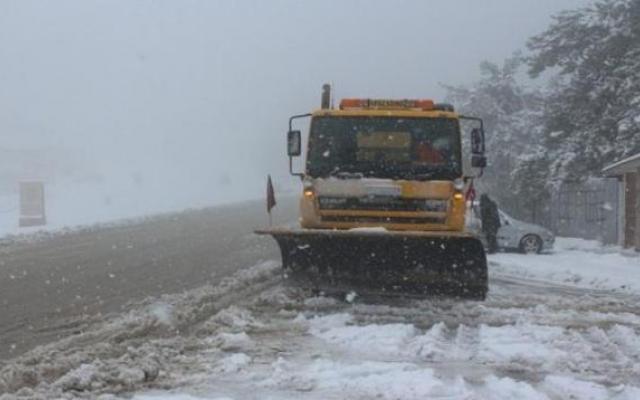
<point>471,193</point>
<point>271,196</point>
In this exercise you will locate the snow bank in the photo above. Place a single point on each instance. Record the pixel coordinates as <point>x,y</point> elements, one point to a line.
<point>523,345</point>
<point>366,379</point>
<point>574,262</point>
<point>176,396</point>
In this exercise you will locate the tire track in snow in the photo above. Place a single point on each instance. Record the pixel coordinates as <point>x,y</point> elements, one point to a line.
<point>251,335</point>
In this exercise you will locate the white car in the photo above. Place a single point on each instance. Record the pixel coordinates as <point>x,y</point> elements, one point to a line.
<point>513,234</point>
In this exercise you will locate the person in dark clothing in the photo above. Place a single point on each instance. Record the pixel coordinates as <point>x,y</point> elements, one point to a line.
<point>490,219</point>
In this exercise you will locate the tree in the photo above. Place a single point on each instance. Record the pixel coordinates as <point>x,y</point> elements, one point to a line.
<point>592,112</point>
<point>529,183</point>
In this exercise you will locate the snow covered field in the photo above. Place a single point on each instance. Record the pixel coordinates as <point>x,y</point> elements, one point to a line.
<point>538,336</point>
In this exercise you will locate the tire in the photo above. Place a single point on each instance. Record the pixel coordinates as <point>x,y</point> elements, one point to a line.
<point>530,244</point>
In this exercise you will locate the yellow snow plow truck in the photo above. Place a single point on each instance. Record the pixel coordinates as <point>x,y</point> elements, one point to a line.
<point>383,202</point>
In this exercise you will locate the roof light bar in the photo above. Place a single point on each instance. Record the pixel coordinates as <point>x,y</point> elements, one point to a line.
<point>387,104</point>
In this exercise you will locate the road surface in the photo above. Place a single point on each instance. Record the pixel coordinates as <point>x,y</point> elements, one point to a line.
<point>51,288</point>
<point>171,330</point>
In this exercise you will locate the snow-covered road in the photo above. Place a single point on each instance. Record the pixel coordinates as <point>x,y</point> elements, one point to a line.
<point>538,336</point>
<point>53,284</point>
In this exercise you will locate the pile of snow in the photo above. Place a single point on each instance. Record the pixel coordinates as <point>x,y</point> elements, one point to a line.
<point>530,345</point>
<point>343,360</point>
<point>574,262</point>
<point>367,379</point>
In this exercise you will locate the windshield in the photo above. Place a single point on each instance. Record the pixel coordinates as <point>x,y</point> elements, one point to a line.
<point>384,147</point>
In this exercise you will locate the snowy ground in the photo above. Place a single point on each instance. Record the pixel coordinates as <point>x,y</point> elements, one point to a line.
<point>71,204</point>
<point>575,262</point>
<point>538,336</point>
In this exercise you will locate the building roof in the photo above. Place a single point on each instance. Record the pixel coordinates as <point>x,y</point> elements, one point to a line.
<point>629,164</point>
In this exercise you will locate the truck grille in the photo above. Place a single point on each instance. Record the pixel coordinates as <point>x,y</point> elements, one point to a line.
<point>381,203</point>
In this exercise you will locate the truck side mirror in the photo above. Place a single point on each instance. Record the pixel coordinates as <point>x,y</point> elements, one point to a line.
<point>477,141</point>
<point>294,143</point>
<point>478,161</point>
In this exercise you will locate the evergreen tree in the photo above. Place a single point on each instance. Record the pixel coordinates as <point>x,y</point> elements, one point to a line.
<point>587,117</point>
<point>592,113</point>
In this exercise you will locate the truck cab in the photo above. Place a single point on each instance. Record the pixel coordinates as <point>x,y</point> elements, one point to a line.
<point>395,164</point>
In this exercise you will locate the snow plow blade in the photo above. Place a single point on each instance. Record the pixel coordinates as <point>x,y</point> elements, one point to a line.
<point>423,264</point>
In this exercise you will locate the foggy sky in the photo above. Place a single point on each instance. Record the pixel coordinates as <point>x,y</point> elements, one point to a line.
<point>187,90</point>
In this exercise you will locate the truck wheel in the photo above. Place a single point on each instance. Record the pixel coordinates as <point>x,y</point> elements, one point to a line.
<point>530,244</point>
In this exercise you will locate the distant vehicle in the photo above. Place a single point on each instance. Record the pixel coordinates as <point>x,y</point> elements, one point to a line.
<point>514,234</point>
